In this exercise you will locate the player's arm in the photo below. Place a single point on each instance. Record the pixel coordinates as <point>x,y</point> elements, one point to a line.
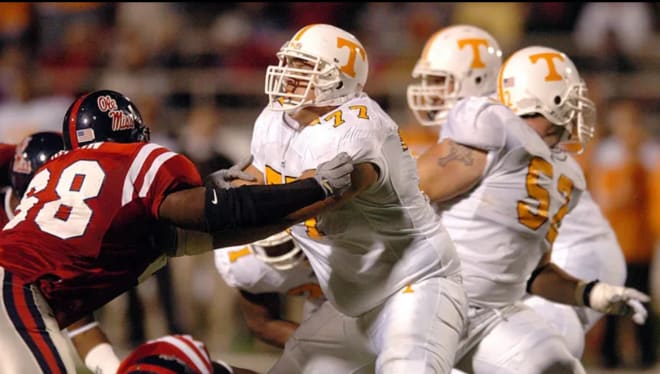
<point>245,173</point>
<point>449,169</point>
<point>551,282</point>
<point>93,346</point>
<point>364,175</point>
<point>251,212</point>
<point>262,316</point>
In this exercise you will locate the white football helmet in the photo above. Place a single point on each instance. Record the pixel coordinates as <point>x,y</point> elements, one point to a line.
<point>288,253</point>
<point>545,81</point>
<point>336,69</point>
<point>457,62</point>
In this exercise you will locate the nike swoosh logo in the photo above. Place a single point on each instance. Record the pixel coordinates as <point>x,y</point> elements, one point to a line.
<point>214,201</point>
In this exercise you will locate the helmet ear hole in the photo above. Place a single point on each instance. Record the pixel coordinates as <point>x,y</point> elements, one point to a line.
<point>340,85</point>
<point>478,80</point>
<point>557,100</point>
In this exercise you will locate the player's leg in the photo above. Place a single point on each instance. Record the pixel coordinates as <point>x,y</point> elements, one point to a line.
<point>418,329</point>
<point>30,339</point>
<point>521,342</point>
<point>564,320</point>
<point>326,342</point>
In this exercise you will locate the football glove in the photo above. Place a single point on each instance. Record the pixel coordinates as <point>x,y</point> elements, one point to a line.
<point>334,176</point>
<point>610,299</point>
<point>223,177</point>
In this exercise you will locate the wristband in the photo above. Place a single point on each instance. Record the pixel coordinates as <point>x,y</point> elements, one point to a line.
<point>583,291</point>
<point>587,292</point>
<point>81,329</point>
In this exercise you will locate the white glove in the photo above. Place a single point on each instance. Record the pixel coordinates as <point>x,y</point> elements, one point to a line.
<point>102,359</point>
<point>223,177</point>
<point>334,176</point>
<point>610,299</point>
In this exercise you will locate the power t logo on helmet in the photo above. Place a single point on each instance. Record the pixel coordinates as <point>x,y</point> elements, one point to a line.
<point>474,44</point>
<point>552,69</point>
<point>353,50</point>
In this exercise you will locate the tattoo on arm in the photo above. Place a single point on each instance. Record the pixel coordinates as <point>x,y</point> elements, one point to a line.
<point>457,152</point>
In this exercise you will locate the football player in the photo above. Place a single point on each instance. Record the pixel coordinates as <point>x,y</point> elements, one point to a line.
<point>503,185</point>
<point>586,246</point>
<point>30,154</point>
<point>383,259</point>
<point>264,272</point>
<point>81,235</point>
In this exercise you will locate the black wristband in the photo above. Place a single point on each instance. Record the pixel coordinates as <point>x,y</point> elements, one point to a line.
<point>535,274</point>
<point>258,205</point>
<point>587,292</point>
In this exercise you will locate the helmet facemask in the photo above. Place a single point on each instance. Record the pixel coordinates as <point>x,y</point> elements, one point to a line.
<point>279,251</point>
<point>578,115</point>
<point>432,97</point>
<point>317,76</point>
<point>143,133</point>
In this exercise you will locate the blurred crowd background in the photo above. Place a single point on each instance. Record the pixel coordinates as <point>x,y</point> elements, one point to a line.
<point>196,71</point>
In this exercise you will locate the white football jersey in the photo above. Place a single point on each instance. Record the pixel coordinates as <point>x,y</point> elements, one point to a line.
<point>504,225</point>
<point>381,240</point>
<point>583,227</point>
<point>241,269</point>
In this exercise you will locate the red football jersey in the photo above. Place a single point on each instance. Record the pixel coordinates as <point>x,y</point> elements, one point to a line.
<point>82,231</point>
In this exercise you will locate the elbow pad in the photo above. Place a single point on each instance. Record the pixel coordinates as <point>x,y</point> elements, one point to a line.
<point>258,205</point>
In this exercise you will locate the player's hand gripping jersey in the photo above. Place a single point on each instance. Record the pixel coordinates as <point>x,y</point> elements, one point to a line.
<point>101,250</point>
<point>504,226</point>
<point>379,241</point>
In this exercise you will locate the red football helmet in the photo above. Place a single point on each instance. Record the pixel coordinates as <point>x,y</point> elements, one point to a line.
<point>103,116</point>
<point>171,354</point>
